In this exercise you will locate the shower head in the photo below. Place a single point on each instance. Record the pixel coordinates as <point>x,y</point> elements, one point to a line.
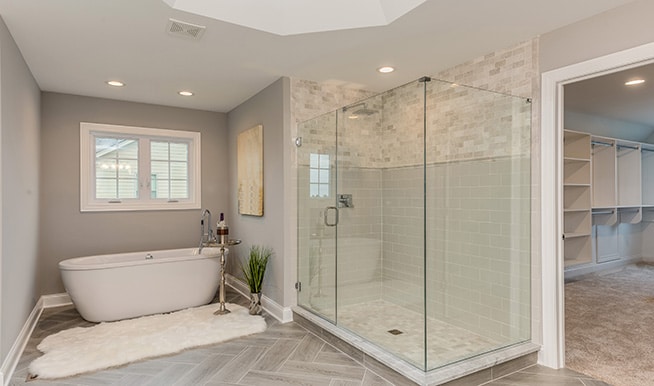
<point>363,111</point>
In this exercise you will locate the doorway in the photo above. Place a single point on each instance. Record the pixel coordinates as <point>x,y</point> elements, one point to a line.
<point>552,124</point>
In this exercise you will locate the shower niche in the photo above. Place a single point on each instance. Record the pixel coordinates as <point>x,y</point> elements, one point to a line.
<point>430,261</point>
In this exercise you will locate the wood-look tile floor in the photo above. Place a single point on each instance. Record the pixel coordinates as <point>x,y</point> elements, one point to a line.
<point>285,354</point>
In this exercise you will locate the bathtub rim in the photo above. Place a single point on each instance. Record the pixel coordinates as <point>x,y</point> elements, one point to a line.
<point>86,263</point>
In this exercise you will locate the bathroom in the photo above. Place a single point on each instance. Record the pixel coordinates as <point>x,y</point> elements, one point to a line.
<point>60,117</point>
<point>41,192</point>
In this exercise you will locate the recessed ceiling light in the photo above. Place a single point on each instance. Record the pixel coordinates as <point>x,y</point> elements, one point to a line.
<point>115,83</point>
<point>185,93</point>
<point>634,82</point>
<point>385,69</point>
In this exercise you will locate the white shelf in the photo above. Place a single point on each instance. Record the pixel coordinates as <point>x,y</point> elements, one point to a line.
<point>576,197</point>
<point>608,190</point>
<point>576,145</point>
<point>577,251</point>
<point>577,219</point>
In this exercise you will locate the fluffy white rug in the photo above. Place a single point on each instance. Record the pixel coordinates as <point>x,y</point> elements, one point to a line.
<point>80,350</point>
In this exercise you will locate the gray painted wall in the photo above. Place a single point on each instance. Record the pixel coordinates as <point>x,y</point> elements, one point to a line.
<point>267,108</point>
<point>606,127</point>
<point>19,111</point>
<point>66,232</point>
<point>612,31</point>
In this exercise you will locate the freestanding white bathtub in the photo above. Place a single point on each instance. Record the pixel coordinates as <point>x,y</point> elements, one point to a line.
<point>121,286</point>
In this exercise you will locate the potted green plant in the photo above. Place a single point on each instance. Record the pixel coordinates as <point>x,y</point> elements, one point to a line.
<point>253,272</point>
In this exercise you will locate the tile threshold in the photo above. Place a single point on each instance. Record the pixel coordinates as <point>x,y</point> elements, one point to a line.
<point>437,376</point>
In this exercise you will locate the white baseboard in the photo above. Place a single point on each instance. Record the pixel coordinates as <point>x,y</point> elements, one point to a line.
<point>582,270</point>
<point>283,314</point>
<point>56,300</point>
<point>13,356</point>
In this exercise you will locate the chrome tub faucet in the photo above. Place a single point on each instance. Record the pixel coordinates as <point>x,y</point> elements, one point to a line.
<point>207,236</point>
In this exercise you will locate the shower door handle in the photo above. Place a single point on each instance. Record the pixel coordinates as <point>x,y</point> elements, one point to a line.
<point>335,217</point>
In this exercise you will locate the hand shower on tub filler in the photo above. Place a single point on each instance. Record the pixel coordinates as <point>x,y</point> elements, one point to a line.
<point>206,233</point>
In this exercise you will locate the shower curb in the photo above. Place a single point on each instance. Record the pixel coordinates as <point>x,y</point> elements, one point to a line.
<point>475,371</point>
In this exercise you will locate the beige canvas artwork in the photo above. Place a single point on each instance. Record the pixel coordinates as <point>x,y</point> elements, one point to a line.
<point>250,171</point>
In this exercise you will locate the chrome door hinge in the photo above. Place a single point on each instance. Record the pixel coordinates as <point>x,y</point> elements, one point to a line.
<point>298,286</point>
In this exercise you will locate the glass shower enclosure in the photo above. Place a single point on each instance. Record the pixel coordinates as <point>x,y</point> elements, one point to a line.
<point>414,220</point>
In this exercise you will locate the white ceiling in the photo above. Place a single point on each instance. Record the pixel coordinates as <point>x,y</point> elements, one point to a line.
<point>74,46</point>
<point>294,17</point>
<point>607,96</point>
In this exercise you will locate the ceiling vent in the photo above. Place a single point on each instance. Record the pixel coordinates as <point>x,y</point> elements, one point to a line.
<point>186,30</point>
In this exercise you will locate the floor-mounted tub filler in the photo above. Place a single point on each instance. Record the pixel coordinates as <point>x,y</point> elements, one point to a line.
<point>121,286</point>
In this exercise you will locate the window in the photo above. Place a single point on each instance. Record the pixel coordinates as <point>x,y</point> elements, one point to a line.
<point>319,175</point>
<point>135,168</point>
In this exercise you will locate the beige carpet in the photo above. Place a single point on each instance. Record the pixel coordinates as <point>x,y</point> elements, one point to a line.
<point>609,326</point>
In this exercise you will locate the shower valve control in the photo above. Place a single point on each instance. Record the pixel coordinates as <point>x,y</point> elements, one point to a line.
<point>345,201</point>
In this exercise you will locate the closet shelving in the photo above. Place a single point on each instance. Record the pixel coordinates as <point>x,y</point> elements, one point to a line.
<point>606,181</point>
<point>576,198</point>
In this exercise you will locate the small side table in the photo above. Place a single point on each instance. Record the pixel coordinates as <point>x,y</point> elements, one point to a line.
<point>221,296</point>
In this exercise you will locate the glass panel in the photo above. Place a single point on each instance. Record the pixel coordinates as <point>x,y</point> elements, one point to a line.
<point>314,176</point>
<point>127,188</point>
<point>380,238</point>
<point>178,189</point>
<point>105,189</point>
<point>323,177</point>
<point>106,168</point>
<point>179,152</point>
<point>477,222</point>
<point>169,169</point>
<point>162,189</point>
<point>316,240</point>
<point>128,149</point>
<point>179,170</point>
<point>116,168</point>
<point>127,168</point>
<point>159,150</point>
<point>160,169</point>
<point>314,190</point>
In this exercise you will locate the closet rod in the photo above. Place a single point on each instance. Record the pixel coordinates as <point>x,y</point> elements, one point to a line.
<point>645,149</point>
<point>627,147</point>
<point>625,210</point>
<point>601,143</point>
<point>603,212</point>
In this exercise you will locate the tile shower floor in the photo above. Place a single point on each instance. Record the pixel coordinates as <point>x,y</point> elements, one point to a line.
<point>446,343</point>
<point>285,354</point>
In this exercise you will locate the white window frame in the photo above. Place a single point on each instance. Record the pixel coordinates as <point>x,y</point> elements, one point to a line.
<point>88,202</point>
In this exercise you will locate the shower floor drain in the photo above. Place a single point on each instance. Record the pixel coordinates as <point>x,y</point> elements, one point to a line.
<point>395,331</point>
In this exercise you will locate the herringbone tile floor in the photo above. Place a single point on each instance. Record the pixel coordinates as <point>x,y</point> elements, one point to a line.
<point>285,354</point>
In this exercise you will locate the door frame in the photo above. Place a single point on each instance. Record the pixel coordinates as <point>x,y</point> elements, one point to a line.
<point>552,353</point>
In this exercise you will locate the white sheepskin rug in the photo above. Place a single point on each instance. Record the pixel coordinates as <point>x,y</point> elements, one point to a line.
<point>84,349</point>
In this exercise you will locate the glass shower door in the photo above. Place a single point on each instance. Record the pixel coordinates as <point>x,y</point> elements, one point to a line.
<point>380,237</point>
<point>317,215</point>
